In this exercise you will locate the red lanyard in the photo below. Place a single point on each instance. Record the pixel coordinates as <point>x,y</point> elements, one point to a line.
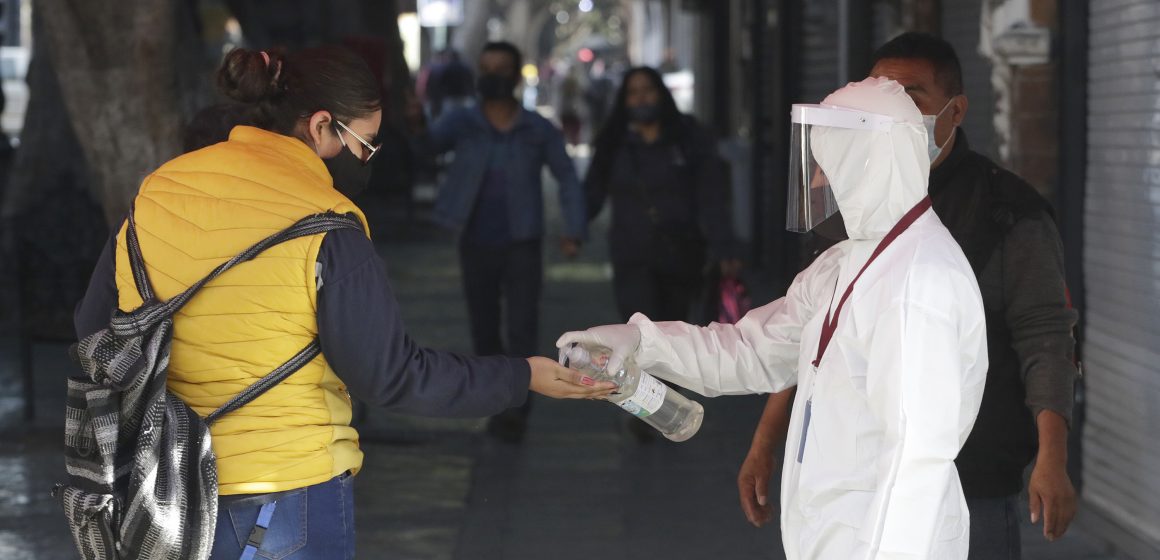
<point>831,324</point>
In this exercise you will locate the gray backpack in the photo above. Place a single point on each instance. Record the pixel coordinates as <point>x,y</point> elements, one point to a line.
<point>142,477</point>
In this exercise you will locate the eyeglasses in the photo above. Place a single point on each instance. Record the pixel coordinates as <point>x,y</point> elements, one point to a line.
<point>369,150</point>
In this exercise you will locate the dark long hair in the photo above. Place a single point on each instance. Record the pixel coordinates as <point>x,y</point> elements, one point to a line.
<point>295,85</point>
<point>615,128</point>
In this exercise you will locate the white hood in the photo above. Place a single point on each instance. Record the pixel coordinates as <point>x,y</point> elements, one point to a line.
<point>876,176</point>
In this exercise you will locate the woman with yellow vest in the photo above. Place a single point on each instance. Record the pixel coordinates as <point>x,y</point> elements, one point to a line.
<point>316,114</point>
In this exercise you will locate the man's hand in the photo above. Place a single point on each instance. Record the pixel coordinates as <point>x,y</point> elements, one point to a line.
<point>753,485</point>
<point>760,464</point>
<point>1051,495</point>
<point>569,247</point>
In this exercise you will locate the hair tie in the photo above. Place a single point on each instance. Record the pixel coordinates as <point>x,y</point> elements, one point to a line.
<point>277,67</point>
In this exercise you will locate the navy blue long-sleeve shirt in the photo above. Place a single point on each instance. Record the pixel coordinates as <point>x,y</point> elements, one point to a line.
<point>364,340</point>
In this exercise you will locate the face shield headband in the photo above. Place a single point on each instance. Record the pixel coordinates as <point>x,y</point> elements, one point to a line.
<point>810,196</point>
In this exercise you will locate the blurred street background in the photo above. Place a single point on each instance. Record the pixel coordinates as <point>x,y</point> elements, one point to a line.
<point>579,486</point>
<point>1064,93</point>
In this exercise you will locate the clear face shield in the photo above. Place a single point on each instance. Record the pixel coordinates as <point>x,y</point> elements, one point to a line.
<point>811,198</point>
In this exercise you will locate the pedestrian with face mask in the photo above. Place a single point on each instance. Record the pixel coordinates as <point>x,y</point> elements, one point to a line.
<point>670,200</point>
<point>1008,234</point>
<point>286,462</point>
<point>884,336</point>
<point>493,196</point>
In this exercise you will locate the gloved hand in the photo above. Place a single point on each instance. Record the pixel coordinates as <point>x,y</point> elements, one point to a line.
<point>622,340</point>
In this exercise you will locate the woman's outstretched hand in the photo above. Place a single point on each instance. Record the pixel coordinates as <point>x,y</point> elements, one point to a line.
<point>554,380</point>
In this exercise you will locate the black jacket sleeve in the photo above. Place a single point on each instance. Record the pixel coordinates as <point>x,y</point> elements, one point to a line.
<point>364,340</point>
<point>96,308</point>
<point>596,182</point>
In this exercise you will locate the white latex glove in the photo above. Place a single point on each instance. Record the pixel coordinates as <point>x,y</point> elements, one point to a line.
<point>622,340</point>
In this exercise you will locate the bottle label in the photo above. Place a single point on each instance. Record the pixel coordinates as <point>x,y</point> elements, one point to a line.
<point>648,398</point>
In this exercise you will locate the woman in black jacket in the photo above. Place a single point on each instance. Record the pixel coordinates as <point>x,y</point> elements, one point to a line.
<point>670,200</point>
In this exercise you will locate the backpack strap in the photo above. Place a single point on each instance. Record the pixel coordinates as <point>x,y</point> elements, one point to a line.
<point>267,382</point>
<point>152,312</point>
<point>137,261</point>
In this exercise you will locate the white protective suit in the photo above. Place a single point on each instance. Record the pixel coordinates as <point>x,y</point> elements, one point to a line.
<point>898,389</point>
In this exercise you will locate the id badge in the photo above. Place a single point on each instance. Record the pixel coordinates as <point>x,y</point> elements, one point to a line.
<point>805,430</point>
<point>809,413</point>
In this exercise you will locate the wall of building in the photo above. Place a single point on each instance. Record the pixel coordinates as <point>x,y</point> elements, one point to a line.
<point>1122,275</point>
<point>1034,119</point>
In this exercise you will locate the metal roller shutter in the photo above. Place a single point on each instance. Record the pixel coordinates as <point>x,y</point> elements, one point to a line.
<point>819,57</point>
<point>960,27</point>
<point>1122,274</point>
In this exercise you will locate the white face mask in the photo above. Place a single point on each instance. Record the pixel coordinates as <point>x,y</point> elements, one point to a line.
<point>929,121</point>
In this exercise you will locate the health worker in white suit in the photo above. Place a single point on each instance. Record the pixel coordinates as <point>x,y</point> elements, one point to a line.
<point>884,336</point>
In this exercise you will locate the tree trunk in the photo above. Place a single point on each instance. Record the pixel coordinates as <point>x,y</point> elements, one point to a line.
<point>535,29</point>
<point>524,21</point>
<point>196,65</point>
<point>49,157</point>
<point>52,227</point>
<point>115,64</point>
<point>290,24</point>
<point>516,19</point>
<point>470,37</point>
<point>381,19</point>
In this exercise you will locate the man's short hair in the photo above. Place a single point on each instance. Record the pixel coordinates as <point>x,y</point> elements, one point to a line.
<point>948,73</point>
<point>510,50</point>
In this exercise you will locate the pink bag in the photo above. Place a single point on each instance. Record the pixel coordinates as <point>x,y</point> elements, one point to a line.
<point>735,302</point>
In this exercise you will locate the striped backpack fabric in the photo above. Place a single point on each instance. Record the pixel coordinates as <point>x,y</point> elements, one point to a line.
<point>142,477</point>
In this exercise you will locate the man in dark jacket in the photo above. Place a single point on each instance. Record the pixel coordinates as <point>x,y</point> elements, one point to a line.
<point>1008,234</point>
<point>493,195</point>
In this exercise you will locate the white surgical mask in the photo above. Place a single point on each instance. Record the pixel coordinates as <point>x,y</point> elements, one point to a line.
<point>929,121</point>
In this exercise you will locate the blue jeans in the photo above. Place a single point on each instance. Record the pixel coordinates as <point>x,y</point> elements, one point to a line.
<point>995,528</point>
<point>315,522</point>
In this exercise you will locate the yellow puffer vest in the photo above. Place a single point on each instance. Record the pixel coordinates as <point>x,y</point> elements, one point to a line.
<point>193,214</point>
